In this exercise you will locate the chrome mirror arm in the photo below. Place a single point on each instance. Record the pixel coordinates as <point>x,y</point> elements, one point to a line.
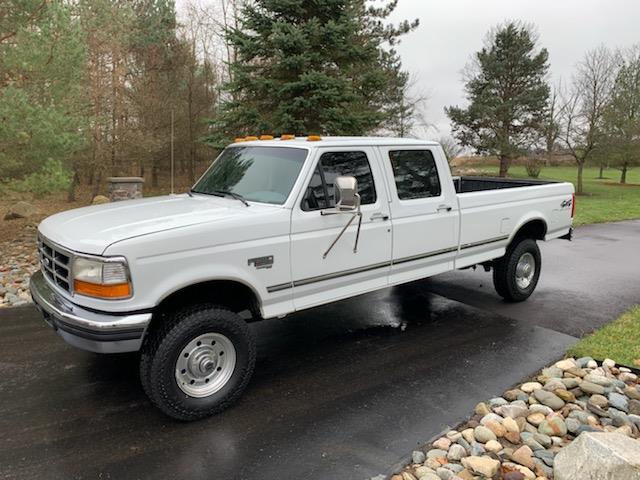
<point>355,214</point>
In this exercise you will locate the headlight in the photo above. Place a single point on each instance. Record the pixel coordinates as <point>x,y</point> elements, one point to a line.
<point>98,278</point>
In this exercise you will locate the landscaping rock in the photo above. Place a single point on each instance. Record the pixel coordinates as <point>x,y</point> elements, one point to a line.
<point>418,457</point>
<point>482,434</point>
<point>99,200</point>
<point>590,387</point>
<point>456,452</point>
<point>549,399</point>
<point>521,434</point>
<point>481,465</point>
<point>529,387</point>
<point>619,402</point>
<point>599,456</point>
<point>21,210</point>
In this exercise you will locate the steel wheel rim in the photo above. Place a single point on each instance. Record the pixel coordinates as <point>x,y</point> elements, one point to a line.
<point>205,365</point>
<point>525,270</point>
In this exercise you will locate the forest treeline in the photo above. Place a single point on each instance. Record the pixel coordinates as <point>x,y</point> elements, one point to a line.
<point>89,88</point>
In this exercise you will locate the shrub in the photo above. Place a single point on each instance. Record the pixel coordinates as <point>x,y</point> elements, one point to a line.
<point>533,167</point>
<point>53,177</point>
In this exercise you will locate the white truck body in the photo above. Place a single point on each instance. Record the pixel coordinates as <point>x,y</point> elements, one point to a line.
<point>269,258</point>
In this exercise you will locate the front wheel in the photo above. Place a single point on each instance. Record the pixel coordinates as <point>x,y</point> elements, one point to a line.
<point>515,276</point>
<point>198,362</point>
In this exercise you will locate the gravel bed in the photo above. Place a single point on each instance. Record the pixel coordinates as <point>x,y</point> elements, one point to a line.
<point>517,436</point>
<point>18,261</point>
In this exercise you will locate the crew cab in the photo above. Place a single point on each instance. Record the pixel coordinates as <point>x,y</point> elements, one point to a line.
<point>272,227</point>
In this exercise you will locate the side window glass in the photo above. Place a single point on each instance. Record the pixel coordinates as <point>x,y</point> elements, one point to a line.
<point>415,174</point>
<point>354,164</point>
<point>320,192</point>
<point>315,198</point>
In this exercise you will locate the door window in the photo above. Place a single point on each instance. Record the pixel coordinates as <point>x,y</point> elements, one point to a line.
<point>415,174</point>
<point>320,193</point>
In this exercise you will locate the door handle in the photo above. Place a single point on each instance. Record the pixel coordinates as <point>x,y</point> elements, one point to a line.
<point>379,216</point>
<point>444,208</point>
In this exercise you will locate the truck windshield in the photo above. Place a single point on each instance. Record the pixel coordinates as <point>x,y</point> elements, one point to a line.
<point>259,174</point>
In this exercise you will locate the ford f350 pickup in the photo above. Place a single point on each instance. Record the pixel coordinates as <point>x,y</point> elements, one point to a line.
<point>273,227</point>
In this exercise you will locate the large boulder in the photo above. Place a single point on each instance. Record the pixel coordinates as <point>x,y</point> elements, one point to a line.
<point>599,456</point>
<point>21,210</point>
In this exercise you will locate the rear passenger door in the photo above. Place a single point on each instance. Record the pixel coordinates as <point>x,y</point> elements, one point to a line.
<point>424,212</point>
<point>343,273</point>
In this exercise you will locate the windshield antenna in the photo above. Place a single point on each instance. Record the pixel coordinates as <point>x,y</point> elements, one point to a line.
<point>172,168</point>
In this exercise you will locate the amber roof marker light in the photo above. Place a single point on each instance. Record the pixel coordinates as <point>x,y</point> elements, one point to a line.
<point>266,137</point>
<point>314,138</point>
<point>250,138</point>
<point>287,136</point>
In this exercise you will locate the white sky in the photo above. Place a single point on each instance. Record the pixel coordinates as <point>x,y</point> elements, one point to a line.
<point>451,31</point>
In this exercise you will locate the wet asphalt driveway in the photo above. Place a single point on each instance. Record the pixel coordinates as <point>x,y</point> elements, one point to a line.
<point>342,391</point>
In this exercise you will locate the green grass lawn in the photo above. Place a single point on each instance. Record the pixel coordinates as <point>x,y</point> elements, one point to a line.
<point>603,201</point>
<point>620,341</point>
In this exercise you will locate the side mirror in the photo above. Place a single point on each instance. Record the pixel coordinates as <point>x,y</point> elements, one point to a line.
<point>348,202</point>
<point>346,191</point>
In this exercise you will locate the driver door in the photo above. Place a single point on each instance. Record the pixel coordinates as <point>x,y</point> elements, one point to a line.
<point>343,273</point>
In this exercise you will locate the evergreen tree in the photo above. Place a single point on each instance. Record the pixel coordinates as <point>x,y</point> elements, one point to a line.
<point>310,67</point>
<point>507,93</point>
<point>41,102</point>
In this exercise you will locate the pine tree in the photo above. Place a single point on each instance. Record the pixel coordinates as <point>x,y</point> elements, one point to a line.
<point>41,57</point>
<point>310,67</point>
<point>507,92</point>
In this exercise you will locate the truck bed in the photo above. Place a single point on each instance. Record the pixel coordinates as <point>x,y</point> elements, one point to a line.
<point>466,184</point>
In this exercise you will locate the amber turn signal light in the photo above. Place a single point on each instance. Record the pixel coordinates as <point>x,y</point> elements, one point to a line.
<point>117,290</point>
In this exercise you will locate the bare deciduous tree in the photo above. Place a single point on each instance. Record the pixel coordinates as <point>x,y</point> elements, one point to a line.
<point>451,147</point>
<point>584,106</point>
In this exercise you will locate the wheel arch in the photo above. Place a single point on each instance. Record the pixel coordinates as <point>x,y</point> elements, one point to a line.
<point>535,228</point>
<point>233,294</point>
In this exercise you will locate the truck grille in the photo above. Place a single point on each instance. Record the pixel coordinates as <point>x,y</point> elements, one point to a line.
<point>54,263</point>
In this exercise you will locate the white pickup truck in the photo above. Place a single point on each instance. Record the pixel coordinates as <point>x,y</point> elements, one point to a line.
<point>275,226</point>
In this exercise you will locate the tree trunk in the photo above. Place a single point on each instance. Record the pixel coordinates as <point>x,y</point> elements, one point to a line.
<point>579,183</point>
<point>623,175</point>
<point>504,165</point>
<point>154,175</point>
<point>96,186</point>
<point>75,179</point>
<point>600,175</point>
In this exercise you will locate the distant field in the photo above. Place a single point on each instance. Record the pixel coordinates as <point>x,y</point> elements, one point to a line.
<point>604,200</point>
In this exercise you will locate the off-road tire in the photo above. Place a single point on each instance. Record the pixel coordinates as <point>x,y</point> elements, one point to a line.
<point>504,270</point>
<point>165,342</point>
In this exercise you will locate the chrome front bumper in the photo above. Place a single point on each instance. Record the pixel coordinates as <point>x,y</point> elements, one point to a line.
<point>99,332</point>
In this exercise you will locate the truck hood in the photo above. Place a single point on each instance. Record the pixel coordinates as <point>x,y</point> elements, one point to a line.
<point>92,229</point>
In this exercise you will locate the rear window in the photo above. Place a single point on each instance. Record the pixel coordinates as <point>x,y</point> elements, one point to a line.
<point>415,174</point>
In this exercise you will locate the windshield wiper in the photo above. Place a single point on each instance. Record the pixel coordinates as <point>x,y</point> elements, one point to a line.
<point>228,193</point>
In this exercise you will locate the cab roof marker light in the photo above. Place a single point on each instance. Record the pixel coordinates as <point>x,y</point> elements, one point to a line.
<point>314,138</point>
<point>250,138</point>
<point>238,140</point>
<point>266,137</point>
<point>287,136</point>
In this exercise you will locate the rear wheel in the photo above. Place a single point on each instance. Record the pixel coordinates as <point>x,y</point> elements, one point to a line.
<point>515,276</point>
<point>197,362</point>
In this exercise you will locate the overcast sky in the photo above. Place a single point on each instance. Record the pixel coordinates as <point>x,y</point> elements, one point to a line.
<point>451,31</point>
